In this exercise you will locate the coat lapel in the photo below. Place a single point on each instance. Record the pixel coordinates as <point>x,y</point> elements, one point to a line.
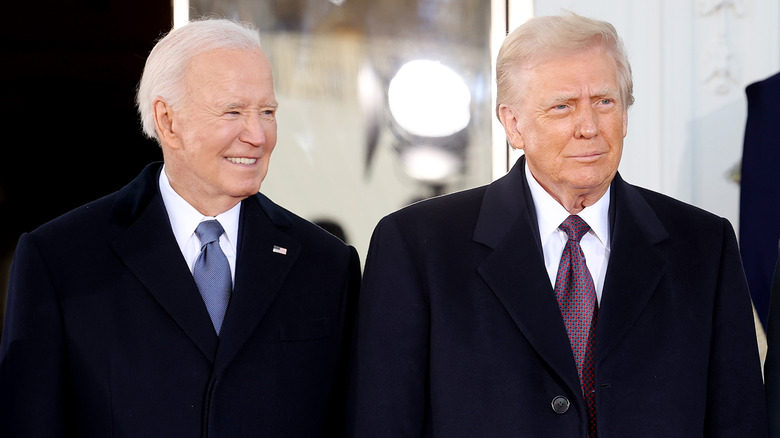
<point>516,273</point>
<point>265,256</point>
<point>149,250</point>
<point>636,265</point>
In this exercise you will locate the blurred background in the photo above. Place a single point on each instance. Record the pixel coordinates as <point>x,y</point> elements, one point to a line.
<point>382,102</point>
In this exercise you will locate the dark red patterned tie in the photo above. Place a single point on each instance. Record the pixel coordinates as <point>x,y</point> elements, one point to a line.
<point>577,300</point>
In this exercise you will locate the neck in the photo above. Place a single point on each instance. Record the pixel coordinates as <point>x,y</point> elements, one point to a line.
<point>574,200</point>
<point>577,204</point>
<point>201,201</point>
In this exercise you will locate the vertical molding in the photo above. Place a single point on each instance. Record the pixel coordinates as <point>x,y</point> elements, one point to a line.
<point>181,12</point>
<point>677,99</point>
<point>639,26</point>
<point>507,15</point>
<point>498,30</point>
<point>720,72</point>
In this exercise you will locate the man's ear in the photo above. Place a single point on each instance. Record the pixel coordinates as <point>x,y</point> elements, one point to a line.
<point>164,122</point>
<point>511,121</point>
<point>625,123</point>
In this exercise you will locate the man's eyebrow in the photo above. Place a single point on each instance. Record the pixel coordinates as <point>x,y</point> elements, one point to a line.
<point>237,105</point>
<point>232,105</point>
<point>560,99</point>
<point>607,92</point>
<point>564,97</point>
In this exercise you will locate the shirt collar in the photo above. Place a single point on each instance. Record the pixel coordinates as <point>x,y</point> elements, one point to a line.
<point>550,214</point>
<point>185,218</point>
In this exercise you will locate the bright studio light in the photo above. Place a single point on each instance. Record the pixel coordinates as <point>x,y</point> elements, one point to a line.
<point>428,163</point>
<point>429,99</point>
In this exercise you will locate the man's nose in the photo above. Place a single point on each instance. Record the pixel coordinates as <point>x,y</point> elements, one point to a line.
<point>587,120</point>
<point>254,131</point>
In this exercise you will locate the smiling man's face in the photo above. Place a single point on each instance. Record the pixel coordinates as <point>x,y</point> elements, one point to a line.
<point>217,143</point>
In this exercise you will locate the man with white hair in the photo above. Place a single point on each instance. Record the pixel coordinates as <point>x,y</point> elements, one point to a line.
<point>558,301</point>
<point>186,304</point>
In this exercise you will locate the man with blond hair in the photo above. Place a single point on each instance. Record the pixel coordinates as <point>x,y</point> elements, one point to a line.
<point>558,301</point>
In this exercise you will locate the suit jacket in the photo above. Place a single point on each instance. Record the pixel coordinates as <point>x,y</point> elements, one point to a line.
<point>772,362</point>
<point>459,333</point>
<point>106,333</point>
<point>759,214</point>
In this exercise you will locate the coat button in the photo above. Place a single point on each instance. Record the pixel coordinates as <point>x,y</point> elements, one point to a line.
<point>560,404</point>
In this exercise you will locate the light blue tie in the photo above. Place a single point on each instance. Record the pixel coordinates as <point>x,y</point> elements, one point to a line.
<point>212,272</point>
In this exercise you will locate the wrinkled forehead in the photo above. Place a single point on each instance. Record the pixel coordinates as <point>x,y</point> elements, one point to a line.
<point>524,71</point>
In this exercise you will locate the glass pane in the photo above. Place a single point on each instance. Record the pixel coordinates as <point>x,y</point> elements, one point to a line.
<point>382,102</point>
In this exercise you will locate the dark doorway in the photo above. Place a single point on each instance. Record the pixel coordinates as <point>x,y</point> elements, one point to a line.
<point>69,126</point>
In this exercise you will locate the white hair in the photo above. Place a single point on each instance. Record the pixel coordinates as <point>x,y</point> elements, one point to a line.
<point>166,66</point>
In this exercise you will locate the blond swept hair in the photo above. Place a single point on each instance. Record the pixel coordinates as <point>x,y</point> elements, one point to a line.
<point>543,38</point>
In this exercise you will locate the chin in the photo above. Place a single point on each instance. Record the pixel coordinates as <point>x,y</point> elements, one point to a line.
<point>243,192</point>
<point>244,185</point>
<point>588,182</point>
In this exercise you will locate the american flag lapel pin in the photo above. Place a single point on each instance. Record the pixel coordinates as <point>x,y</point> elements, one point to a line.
<point>279,250</point>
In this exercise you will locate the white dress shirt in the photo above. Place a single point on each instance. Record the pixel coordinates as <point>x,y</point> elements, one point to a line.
<point>595,243</point>
<point>185,218</point>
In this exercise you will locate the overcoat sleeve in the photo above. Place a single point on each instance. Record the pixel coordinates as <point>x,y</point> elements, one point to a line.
<point>388,395</point>
<point>33,391</point>
<point>735,400</point>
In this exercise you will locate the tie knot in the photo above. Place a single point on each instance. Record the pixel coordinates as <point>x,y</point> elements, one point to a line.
<point>209,231</point>
<point>575,227</point>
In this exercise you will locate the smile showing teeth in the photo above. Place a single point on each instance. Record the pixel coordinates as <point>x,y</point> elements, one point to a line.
<point>242,160</point>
